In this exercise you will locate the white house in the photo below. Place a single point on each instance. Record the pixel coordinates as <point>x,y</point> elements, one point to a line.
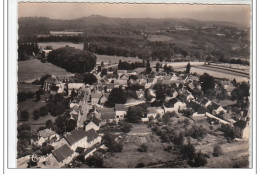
<point>120,111</point>
<point>93,124</point>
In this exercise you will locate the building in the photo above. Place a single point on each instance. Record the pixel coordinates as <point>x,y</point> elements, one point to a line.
<point>242,129</point>
<point>47,135</point>
<point>151,112</point>
<point>95,124</point>
<point>93,137</point>
<point>75,86</point>
<point>60,157</point>
<point>77,138</point>
<point>104,98</point>
<point>108,117</point>
<point>95,97</point>
<point>120,110</point>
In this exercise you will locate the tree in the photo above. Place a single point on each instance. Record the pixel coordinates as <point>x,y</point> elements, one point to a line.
<point>95,161</point>
<point>22,96</point>
<point>38,96</point>
<point>142,148</point>
<point>103,72</point>
<point>197,131</point>
<point>24,127</point>
<point>70,125</point>
<point>188,68</point>
<point>24,116</point>
<point>207,82</point>
<point>117,96</point>
<point>44,111</point>
<point>217,151</point>
<point>157,67</point>
<point>73,60</point>
<point>134,114</point>
<point>58,109</point>
<point>47,150</point>
<point>90,79</point>
<point>36,114</point>
<point>110,143</point>
<point>60,123</point>
<point>188,151</point>
<point>199,160</point>
<point>49,124</point>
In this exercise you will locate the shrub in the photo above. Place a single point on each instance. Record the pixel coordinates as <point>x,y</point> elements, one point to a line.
<point>47,149</point>
<point>44,111</point>
<point>197,131</point>
<point>142,148</point>
<point>199,160</point>
<point>58,109</point>
<point>140,165</point>
<point>95,161</point>
<point>217,151</point>
<point>22,96</point>
<point>188,151</point>
<point>24,127</point>
<point>24,116</point>
<point>36,114</point>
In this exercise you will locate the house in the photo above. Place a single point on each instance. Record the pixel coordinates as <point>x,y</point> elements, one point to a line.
<point>201,111</point>
<point>75,86</point>
<point>205,102</point>
<point>149,82</point>
<point>93,124</point>
<point>242,129</point>
<point>104,110</point>
<point>109,87</point>
<point>60,157</point>
<point>140,94</point>
<point>215,108</point>
<point>151,112</point>
<point>108,117</point>
<point>77,138</point>
<point>92,137</point>
<point>47,135</point>
<point>95,97</point>
<point>188,96</point>
<point>244,115</point>
<point>104,98</point>
<point>229,89</point>
<point>54,85</point>
<point>120,111</point>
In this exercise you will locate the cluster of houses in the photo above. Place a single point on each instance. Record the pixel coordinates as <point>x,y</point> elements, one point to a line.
<point>88,110</point>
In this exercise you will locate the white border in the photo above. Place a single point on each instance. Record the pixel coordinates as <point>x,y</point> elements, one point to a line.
<point>12,66</point>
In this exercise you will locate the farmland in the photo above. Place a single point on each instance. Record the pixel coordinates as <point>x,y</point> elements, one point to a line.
<point>159,38</point>
<point>30,70</point>
<point>115,59</point>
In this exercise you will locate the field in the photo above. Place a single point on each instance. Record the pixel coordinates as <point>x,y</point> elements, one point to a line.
<point>160,38</point>
<point>115,59</point>
<point>25,87</point>
<point>217,73</point>
<point>30,70</point>
<point>56,45</point>
<point>130,156</point>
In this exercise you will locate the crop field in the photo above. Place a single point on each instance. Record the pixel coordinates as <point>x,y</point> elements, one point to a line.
<point>160,38</point>
<point>130,156</point>
<point>115,59</point>
<point>218,73</point>
<point>56,45</point>
<point>30,70</point>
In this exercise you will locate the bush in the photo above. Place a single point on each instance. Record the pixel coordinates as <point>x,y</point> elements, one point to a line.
<point>24,116</point>
<point>36,114</point>
<point>142,148</point>
<point>22,96</point>
<point>199,160</point>
<point>24,127</point>
<point>217,151</point>
<point>111,144</point>
<point>44,111</point>
<point>125,127</point>
<point>140,165</point>
<point>47,150</point>
<point>197,132</point>
<point>95,161</point>
<point>188,151</point>
<point>58,109</point>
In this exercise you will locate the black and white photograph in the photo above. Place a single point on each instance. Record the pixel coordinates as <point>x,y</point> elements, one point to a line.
<point>121,85</point>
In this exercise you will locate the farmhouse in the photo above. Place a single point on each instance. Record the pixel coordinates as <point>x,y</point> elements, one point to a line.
<point>60,157</point>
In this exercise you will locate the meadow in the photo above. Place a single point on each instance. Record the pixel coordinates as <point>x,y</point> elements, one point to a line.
<point>56,45</point>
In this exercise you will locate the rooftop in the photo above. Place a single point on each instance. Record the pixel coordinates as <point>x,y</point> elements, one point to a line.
<point>62,152</point>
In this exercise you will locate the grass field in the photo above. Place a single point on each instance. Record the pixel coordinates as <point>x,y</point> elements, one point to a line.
<point>130,156</point>
<point>56,45</point>
<point>30,70</point>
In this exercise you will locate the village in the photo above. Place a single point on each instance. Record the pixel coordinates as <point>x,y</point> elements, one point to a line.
<point>104,109</point>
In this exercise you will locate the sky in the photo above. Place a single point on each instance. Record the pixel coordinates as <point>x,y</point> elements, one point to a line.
<point>239,14</point>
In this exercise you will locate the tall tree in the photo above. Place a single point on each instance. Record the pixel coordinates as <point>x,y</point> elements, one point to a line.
<point>188,68</point>
<point>207,82</point>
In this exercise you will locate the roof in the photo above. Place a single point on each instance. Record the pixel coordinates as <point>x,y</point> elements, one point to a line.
<point>96,95</point>
<point>62,152</point>
<point>110,86</point>
<point>110,76</point>
<point>120,107</point>
<point>194,105</point>
<point>214,106</point>
<point>104,110</point>
<point>241,124</point>
<point>46,133</point>
<point>150,80</point>
<point>75,85</point>
<point>108,115</point>
<point>75,136</point>
<point>139,92</point>
<point>204,101</point>
<point>91,134</point>
<point>202,110</point>
<point>54,88</point>
<point>96,121</point>
<point>151,110</point>
<point>230,88</point>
